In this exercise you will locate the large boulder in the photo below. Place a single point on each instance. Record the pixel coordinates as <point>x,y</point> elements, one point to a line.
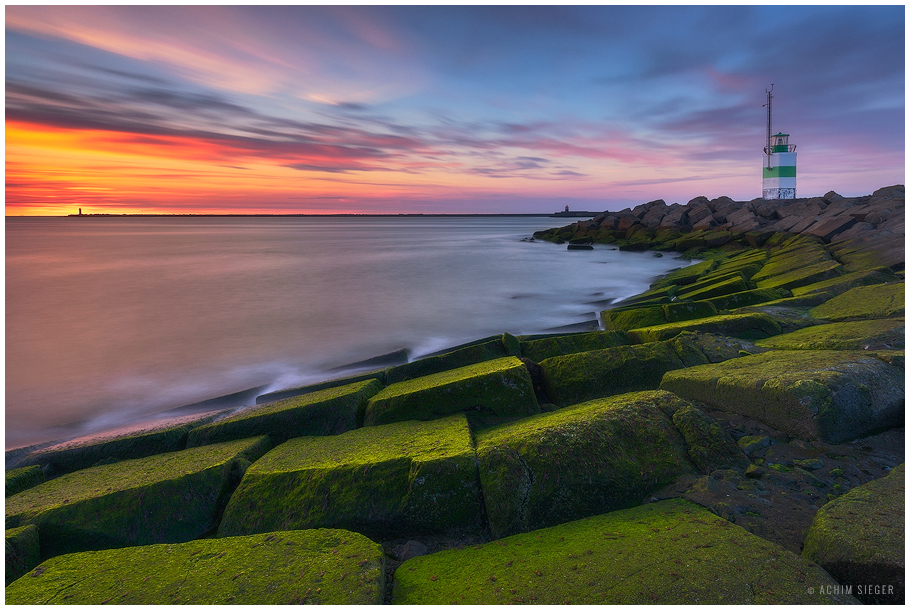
<point>751,326</point>
<point>859,539</point>
<point>878,301</point>
<point>541,348</point>
<point>23,551</point>
<point>499,387</point>
<point>858,335</point>
<point>330,411</point>
<point>843,283</point>
<point>130,442</point>
<point>490,348</point>
<point>322,385</point>
<point>298,567</point>
<point>20,479</point>
<point>404,479</point>
<point>594,457</point>
<point>170,497</point>
<point>671,552</point>
<point>834,396</point>
<point>626,319</point>
<point>801,276</point>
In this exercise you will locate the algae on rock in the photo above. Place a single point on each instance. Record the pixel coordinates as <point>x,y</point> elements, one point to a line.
<point>830,395</point>
<point>859,538</point>
<point>293,567</point>
<point>579,461</point>
<point>879,301</point>
<point>170,497</point>
<point>405,478</point>
<point>20,479</point>
<point>23,551</point>
<point>670,552</point>
<point>861,334</point>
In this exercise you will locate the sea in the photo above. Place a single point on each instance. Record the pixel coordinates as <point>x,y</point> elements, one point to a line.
<point>112,321</point>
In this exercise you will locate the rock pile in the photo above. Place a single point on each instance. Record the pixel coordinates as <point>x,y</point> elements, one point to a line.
<point>727,437</point>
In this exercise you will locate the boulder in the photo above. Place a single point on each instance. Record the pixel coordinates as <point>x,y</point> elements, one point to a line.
<point>859,335</point>
<point>23,551</point>
<point>330,411</point>
<point>626,319</point>
<point>296,567</point>
<point>170,497</point>
<point>709,447</point>
<point>878,301</point>
<point>402,479</point>
<point>801,209</point>
<point>834,396</point>
<point>714,285</point>
<point>560,345</point>
<point>130,442</point>
<point>802,276</point>
<point>826,229</point>
<point>685,275</point>
<point>20,479</point>
<point>832,197</point>
<point>576,378</point>
<point>499,387</point>
<point>598,456</point>
<point>671,552</point>
<point>323,385</point>
<point>749,326</point>
<point>859,539</point>
<point>744,298</point>
<point>843,283</point>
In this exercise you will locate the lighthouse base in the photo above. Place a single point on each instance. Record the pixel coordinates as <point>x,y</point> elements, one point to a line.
<point>779,193</point>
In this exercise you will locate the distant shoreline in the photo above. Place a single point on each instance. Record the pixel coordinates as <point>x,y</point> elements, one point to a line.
<point>541,215</point>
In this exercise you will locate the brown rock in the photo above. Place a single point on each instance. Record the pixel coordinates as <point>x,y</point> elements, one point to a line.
<point>827,229</point>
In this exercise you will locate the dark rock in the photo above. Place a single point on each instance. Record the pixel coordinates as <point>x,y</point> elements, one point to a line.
<point>411,549</point>
<point>827,229</point>
<point>831,197</point>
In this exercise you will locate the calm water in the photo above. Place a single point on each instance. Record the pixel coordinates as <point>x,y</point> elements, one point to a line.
<point>111,320</point>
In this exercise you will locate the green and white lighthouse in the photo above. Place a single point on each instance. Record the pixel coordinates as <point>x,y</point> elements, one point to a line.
<point>779,168</point>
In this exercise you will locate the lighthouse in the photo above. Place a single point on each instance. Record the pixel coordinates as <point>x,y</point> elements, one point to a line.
<point>779,167</point>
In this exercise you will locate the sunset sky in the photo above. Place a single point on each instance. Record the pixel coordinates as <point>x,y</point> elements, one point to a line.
<point>291,109</point>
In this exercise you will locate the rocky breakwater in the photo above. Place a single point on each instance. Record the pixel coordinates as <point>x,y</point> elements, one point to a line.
<point>721,439</point>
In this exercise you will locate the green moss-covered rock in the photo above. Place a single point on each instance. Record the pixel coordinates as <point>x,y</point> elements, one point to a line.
<point>861,334</point>
<point>20,479</point>
<point>788,260</point>
<point>749,326</point>
<point>745,298</point>
<point>299,567</point>
<point>834,396</point>
<point>670,552</point>
<point>23,551</point>
<point>859,539</point>
<point>498,387</point>
<point>408,478</point>
<point>710,287</point>
<point>685,275</point>
<point>329,411</point>
<point>559,345</point>
<point>802,276</point>
<point>709,447</point>
<point>380,376</point>
<point>880,301</point>
<point>601,455</point>
<point>490,349</point>
<point>117,444</point>
<point>576,378</point>
<point>626,319</point>
<point>843,283</point>
<point>171,497</point>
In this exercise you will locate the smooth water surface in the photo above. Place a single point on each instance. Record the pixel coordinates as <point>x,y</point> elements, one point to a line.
<point>110,320</point>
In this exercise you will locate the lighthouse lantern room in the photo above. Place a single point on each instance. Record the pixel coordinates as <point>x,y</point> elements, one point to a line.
<point>779,168</point>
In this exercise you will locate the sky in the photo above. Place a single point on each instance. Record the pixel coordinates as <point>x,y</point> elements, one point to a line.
<point>458,109</point>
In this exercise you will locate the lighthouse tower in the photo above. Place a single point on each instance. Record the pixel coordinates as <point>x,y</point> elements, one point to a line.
<point>779,168</point>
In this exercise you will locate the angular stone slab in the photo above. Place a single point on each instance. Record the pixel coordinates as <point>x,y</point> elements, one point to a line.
<point>749,326</point>
<point>547,347</point>
<point>859,335</point>
<point>23,551</point>
<point>20,479</point>
<point>129,442</point>
<point>298,567</point>
<point>880,301</point>
<point>843,283</point>
<point>671,552</point>
<point>499,387</point>
<point>745,298</point>
<point>324,385</point>
<point>171,497</point>
<point>834,396</point>
<point>803,276</point>
<point>859,539</point>
<point>405,479</point>
<point>580,461</point>
<point>577,378</point>
<point>788,260</point>
<point>329,411</point>
<point>626,319</point>
<point>710,287</point>
<point>709,447</point>
<point>489,349</point>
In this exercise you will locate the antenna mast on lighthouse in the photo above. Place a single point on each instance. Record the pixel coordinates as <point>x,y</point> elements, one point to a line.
<point>768,138</point>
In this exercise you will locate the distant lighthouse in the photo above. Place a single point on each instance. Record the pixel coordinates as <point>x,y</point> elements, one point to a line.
<point>779,168</point>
